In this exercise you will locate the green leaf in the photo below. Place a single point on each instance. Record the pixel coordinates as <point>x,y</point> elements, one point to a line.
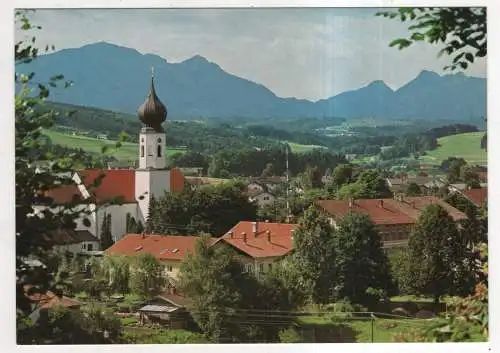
<point>417,36</point>
<point>104,149</point>
<point>469,57</point>
<point>400,43</point>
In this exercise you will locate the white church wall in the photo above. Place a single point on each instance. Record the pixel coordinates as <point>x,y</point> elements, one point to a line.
<point>150,183</point>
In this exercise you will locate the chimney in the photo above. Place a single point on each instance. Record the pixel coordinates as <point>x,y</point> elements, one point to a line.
<point>268,236</point>
<point>244,236</point>
<point>230,234</point>
<point>143,235</point>
<point>351,202</point>
<point>413,204</point>
<point>381,203</point>
<point>254,228</point>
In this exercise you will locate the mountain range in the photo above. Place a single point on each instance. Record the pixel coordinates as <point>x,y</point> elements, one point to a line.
<point>117,78</point>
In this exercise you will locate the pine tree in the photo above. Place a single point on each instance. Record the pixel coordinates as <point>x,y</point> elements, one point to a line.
<point>106,236</point>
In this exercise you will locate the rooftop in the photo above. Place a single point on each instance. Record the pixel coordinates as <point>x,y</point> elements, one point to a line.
<point>268,240</point>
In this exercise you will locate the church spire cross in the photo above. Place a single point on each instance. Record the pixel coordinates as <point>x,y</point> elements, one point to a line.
<point>152,72</point>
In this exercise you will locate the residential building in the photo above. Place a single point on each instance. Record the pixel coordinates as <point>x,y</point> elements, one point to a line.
<point>260,244</point>
<point>478,197</point>
<point>169,250</point>
<point>394,218</point>
<point>73,241</point>
<point>261,198</point>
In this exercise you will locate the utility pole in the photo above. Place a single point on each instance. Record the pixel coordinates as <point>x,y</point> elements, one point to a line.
<point>287,183</point>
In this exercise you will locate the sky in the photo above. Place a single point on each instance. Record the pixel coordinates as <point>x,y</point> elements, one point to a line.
<point>310,53</point>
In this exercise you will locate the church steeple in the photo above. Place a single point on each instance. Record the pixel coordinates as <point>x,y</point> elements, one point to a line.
<point>152,112</point>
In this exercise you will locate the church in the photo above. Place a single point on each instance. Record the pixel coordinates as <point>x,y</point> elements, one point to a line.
<point>131,188</point>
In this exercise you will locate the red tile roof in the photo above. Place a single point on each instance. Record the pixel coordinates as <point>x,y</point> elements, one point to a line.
<point>63,194</point>
<point>162,247</point>
<point>384,213</point>
<point>413,206</point>
<point>478,196</point>
<point>50,300</point>
<point>271,239</point>
<point>388,211</point>
<point>115,184</point>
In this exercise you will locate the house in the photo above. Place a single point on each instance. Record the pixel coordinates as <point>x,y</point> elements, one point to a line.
<point>261,198</point>
<point>42,303</point>
<point>132,189</point>
<point>394,218</point>
<point>266,183</point>
<point>478,197</point>
<point>73,241</point>
<point>169,250</point>
<point>459,187</point>
<point>260,244</point>
<point>400,184</point>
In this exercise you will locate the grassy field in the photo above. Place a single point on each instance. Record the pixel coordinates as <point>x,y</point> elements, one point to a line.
<point>128,150</point>
<point>466,146</point>
<point>298,148</point>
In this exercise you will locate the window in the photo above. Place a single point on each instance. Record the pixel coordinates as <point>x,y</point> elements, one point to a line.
<point>90,247</point>
<point>83,246</point>
<point>158,152</point>
<point>248,268</point>
<point>270,266</point>
<point>261,268</point>
<point>169,268</point>
<point>142,150</point>
<point>266,198</point>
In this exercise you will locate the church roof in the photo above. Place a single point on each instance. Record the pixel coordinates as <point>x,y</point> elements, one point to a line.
<point>116,184</point>
<point>152,112</point>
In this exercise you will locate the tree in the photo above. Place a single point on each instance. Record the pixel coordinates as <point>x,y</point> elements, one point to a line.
<point>211,209</point>
<point>470,177</point>
<point>314,255</point>
<point>311,178</point>
<point>106,236</point>
<point>31,184</point>
<point>115,272</point>
<point>369,185</point>
<point>147,275</point>
<point>268,171</point>
<point>212,279</point>
<point>413,190</point>
<point>360,261</point>
<point>436,253</point>
<point>342,174</point>
<point>461,30</point>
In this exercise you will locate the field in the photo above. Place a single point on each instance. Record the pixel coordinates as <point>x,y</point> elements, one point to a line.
<point>298,148</point>
<point>128,150</point>
<point>466,146</point>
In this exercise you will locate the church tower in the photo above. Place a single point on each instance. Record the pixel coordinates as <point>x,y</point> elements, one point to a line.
<point>152,178</point>
<point>152,114</point>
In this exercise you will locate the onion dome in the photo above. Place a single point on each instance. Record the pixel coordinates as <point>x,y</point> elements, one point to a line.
<point>152,112</point>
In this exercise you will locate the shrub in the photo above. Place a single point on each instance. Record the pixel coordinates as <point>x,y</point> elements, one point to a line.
<point>165,337</point>
<point>289,335</point>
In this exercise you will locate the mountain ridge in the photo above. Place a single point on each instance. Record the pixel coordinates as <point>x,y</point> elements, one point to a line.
<point>114,77</point>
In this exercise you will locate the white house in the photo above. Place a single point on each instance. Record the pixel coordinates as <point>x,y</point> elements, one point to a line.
<point>124,191</point>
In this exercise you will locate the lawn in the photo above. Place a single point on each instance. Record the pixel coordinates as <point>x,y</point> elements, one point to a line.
<point>358,329</point>
<point>128,150</point>
<point>465,145</point>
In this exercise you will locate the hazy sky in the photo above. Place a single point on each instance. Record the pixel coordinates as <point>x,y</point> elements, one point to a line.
<point>303,53</point>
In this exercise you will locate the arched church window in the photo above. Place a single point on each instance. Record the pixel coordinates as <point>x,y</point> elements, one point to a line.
<point>159,140</point>
<point>142,150</point>
<point>159,151</point>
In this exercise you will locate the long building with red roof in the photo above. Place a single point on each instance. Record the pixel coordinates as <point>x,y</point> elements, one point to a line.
<point>394,218</point>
